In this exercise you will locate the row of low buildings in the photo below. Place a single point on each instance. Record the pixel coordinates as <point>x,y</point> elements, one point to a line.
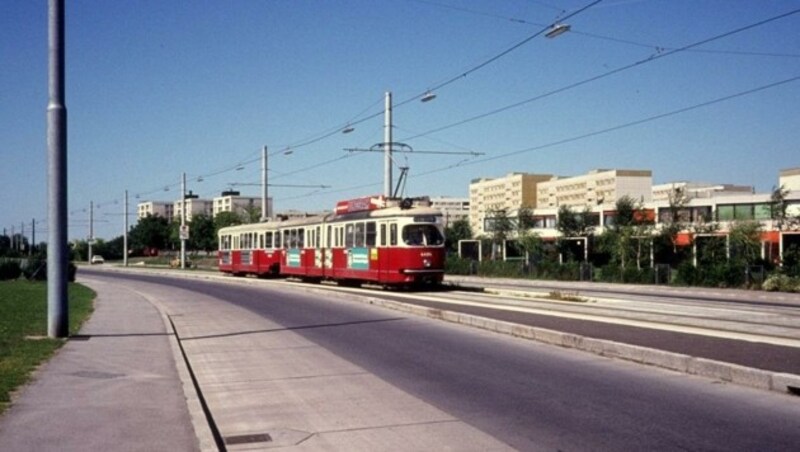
<point>599,190</point>
<point>228,201</point>
<point>232,201</point>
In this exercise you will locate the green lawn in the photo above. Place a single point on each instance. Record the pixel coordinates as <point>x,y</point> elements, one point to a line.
<point>23,314</point>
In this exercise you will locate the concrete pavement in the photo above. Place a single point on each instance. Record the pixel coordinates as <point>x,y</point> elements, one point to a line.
<point>113,387</point>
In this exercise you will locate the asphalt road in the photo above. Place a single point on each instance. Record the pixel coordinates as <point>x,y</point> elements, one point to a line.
<point>527,395</point>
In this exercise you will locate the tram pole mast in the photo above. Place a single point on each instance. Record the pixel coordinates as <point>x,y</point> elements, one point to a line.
<point>125,233</point>
<point>265,213</point>
<point>387,147</point>
<point>183,220</point>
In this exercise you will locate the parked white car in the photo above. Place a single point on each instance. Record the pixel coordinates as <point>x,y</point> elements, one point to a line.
<point>97,259</point>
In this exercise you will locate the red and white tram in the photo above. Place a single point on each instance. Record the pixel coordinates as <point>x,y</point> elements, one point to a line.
<point>377,240</point>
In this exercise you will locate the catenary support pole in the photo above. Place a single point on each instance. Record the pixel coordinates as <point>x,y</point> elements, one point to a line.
<point>265,213</point>
<point>57,307</point>
<point>387,146</point>
<point>91,230</point>
<point>183,219</point>
<point>125,233</point>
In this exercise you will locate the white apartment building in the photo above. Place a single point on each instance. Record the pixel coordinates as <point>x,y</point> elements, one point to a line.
<point>694,190</point>
<point>597,187</point>
<point>232,201</point>
<point>790,179</point>
<point>452,209</point>
<point>194,206</point>
<point>154,208</point>
<point>509,193</point>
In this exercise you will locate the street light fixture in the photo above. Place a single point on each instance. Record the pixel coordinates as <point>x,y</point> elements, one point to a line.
<point>557,30</point>
<point>429,96</point>
<point>348,129</point>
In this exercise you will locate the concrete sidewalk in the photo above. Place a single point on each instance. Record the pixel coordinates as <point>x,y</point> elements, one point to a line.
<point>113,387</point>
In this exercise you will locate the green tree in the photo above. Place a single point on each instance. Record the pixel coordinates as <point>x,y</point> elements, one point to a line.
<point>745,242</point>
<point>225,219</point>
<point>251,214</point>
<point>203,233</point>
<point>571,225</point>
<point>500,227</point>
<point>455,231</point>
<point>152,231</point>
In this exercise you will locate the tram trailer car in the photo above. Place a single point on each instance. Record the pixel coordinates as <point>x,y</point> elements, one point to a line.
<point>390,242</point>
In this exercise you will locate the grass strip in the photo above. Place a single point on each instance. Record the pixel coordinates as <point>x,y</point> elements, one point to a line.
<point>23,330</point>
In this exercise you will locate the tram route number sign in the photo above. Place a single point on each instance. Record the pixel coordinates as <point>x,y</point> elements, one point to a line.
<point>183,232</point>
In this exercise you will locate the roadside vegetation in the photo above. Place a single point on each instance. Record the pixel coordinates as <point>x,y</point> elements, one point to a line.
<point>631,249</point>
<point>24,344</point>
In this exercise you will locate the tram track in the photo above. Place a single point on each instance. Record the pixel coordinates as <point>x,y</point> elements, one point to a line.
<point>690,296</point>
<point>786,336</point>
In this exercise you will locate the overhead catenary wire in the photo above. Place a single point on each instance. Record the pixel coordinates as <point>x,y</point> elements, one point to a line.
<point>658,48</point>
<point>603,75</point>
<point>589,134</point>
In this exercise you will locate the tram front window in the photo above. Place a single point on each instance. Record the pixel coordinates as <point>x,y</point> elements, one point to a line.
<point>422,235</point>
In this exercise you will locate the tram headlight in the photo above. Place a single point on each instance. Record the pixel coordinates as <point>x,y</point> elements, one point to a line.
<point>426,263</point>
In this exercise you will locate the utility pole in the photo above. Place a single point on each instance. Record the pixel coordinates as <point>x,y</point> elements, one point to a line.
<point>33,235</point>
<point>22,237</point>
<point>91,229</point>
<point>183,220</point>
<point>387,146</point>
<point>125,233</point>
<point>57,307</point>
<point>265,213</point>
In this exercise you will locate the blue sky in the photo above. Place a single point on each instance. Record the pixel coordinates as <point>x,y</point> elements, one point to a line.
<point>158,88</point>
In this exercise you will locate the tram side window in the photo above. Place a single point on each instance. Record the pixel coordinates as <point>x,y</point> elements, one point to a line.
<point>328,239</point>
<point>349,233</point>
<point>383,235</point>
<point>371,233</point>
<point>278,237</point>
<point>300,238</point>
<point>393,234</point>
<point>268,240</point>
<point>359,235</point>
<point>318,242</point>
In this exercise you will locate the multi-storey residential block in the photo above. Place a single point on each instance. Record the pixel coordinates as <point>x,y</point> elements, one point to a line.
<point>194,206</point>
<point>232,201</point>
<point>597,187</point>
<point>453,209</point>
<point>509,193</point>
<point>154,208</point>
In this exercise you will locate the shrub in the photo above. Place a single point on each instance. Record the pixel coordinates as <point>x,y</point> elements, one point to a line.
<point>781,283</point>
<point>455,265</point>
<point>687,274</point>
<point>9,270</point>
<point>35,269</point>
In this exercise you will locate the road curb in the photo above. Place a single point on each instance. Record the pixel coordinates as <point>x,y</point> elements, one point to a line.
<point>717,370</point>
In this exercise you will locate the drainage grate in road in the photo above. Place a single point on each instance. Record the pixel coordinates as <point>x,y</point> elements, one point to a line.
<point>248,439</point>
<point>96,374</point>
